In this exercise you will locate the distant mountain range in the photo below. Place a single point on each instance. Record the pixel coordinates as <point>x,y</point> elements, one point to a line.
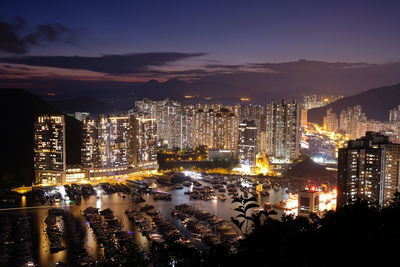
<point>259,81</point>
<point>262,82</point>
<point>84,104</point>
<point>18,112</point>
<point>118,100</point>
<point>375,103</point>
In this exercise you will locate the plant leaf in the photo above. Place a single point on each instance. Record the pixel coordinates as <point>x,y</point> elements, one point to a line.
<point>250,199</point>
<point>240,210</point>
<point>236,199</point>
<point>251,205</point>
<point>236,222</point>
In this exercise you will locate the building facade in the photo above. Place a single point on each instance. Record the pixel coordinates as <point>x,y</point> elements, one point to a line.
<point>368,168</point>
<point>49,149</point>
<point>144,138</point>
<point>282,129</point>
<point>331,122</point>
<point>90,144</point>
<point>247,147</point>
<point>308,203</point>
<point>115,140</point>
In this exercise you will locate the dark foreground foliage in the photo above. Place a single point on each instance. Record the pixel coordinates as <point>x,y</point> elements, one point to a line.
<point>355,235</point>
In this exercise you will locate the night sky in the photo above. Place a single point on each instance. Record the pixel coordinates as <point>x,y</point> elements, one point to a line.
<point>122,42</point>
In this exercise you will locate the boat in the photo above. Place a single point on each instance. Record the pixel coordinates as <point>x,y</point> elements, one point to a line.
<point>138,199</point>
<point>224,227</point>
<point>221,197</point>
<point>265,193</point>
<point>187,183</point>
<point>267,205</point>
<point>177,187</point>
<point>281,205</point>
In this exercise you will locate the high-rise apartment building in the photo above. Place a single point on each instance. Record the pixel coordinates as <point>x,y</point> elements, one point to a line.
<point>251,113</point>
<point>144,138</point>
<point>50,149</point>
<point>119,140</point>
<point>186,127</point>
<point>303,117</point>
<point>331,122</point>
<point>368,168</point>
<point>167,114</point>
<point>282,127</point>
<point>394,114</point>
<point>187,124</point>
<point>348,119</point>
<point>115,140</point>
<point>247,147</point>
<point>254,113</point>
<point>168,118</point>
<point>216,129</point>
<point>90,144</point>
<point>315,101</point>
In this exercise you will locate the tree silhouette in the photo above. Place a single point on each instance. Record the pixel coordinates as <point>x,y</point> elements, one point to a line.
<point>247,216</point>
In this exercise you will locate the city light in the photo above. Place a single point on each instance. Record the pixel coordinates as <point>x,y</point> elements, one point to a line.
<point>199,133</point>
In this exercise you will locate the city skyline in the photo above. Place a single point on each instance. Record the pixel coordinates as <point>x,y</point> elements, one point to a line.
<point>199,133</point>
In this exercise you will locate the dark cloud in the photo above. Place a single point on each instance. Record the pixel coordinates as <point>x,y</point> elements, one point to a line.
<point>111,64</point>
<point>16,67</point>
<point>14,39</point>
<point>282,80</point>
<point>221,66</point>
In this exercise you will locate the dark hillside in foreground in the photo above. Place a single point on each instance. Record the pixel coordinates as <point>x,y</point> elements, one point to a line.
<point>18,111</point>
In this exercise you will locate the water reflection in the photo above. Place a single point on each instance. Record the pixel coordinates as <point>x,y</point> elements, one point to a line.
<point>98,203</point>
<point>23,201</point>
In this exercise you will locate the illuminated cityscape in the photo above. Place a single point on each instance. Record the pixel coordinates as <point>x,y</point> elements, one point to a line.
<point>199,133</point>
<point>311,101</point>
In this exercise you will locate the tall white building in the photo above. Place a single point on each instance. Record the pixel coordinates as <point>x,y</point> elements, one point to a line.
<point>216,129</point>
<point>115,140</point>
<point>331,122</point>
<point>167,114</point>
<point>90,157</point>
<point>247,146</point>
<point>282,127</point>
<point>394,114</point>
<point>348,117</point>
<point>144,138</point>
<point>49,149</point>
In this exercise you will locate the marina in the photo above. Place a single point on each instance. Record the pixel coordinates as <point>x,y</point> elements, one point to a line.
<point>132,219</point>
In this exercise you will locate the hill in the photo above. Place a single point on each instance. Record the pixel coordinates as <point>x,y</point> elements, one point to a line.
<point>375,103</point>
<point>307,168</point>
<point>18,111</point>
<point>83,104</point>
